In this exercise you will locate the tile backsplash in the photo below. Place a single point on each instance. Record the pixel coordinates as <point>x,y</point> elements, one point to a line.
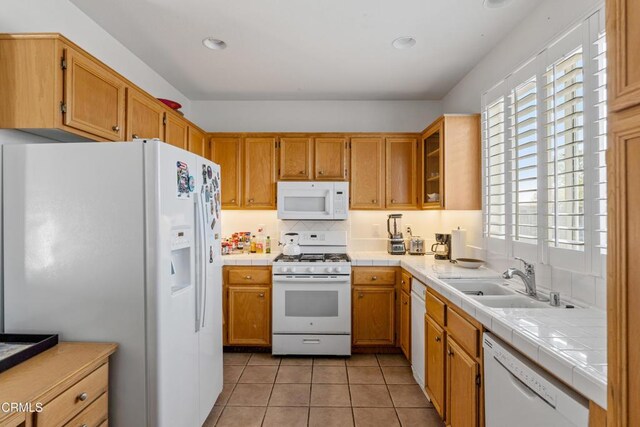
<point>366,230</point>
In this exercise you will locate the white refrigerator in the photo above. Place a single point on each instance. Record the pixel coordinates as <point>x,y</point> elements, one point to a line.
<point>119,242</point>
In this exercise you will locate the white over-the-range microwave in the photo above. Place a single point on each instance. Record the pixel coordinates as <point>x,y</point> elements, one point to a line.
<point>313,200</point>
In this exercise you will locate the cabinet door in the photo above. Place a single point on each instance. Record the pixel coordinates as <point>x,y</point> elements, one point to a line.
<point>144,116</point>
<point>434,339</point>
<point>462,389</point>
<point>401,169</point>
<point>196,142</point>
<point>373,315</point>
<point>367,173</point>
<point>249,315</point>
<point>226,151</point>
<point>405,324</point>
<point>295,158</point>
<point>175,131</point>
<point>259,173</point>
<point>432,153</point>
<point>94,98</point>
<point>623,61</point>
<point>330,159</point>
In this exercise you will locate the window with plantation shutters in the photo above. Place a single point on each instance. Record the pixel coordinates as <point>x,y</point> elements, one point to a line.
<point>494,152</point>
<point>600,181</point>
<point>544,141</point>
<point>564,110</point>
<point>523,120</point>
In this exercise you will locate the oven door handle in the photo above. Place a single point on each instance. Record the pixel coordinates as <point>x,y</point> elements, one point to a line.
<point>311,279</point>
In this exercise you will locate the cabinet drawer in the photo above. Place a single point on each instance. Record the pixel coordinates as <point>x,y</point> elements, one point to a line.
<point>94,415</point>
<point>250,276</point>
<point>374,276</point>
<point>75,398</point>
<point>435,308</point>
<point>405,282</point>
<point>464,332</point>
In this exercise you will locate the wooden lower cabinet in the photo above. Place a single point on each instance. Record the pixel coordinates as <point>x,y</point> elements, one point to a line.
<point>405,324</point>
<point>373,315</point>
<point>434,339</point>
<point>462,387</point>
<point>246,306</point>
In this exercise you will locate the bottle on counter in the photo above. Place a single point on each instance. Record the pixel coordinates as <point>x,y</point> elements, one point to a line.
<point>247,242</point>
<point>260,241</point>
<point>267,245</point>
<point>253,244</point>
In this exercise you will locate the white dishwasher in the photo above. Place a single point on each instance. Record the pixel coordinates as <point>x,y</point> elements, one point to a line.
<point>519,393</point>
<point>418,291</point>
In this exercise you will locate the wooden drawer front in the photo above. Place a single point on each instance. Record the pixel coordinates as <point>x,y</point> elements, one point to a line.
<point>69,402</point>
<point>374,276</point>
<point>436,309</point>
<point>464,332</point>
<point>94,415</point>
<point>405,282</point>
<point>249,276</point>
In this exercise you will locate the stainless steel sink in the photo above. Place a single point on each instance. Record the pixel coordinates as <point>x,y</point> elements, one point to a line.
<point>476,287</point>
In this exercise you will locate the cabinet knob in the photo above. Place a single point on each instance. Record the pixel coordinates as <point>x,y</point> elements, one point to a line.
<point>84,425</point>
<point>301,173</point>
<point>135,136</point>
<point>405,303</point>
<point>374,277</point>
<point>393,200</point>
<point>374,201</point>
<point>360,295</point>
<point>247,277</point>
<point>402,281</point>
<point>233,200</point>
<point>261,295</point>
<point>320,172</point>
<point>115,128</point>
<point>250,200</point>
<point>83,396</point>
<point>450,353</point>
<point>438,339</point>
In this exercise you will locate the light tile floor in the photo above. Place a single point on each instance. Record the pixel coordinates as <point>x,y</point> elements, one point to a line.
<point>363,390</point>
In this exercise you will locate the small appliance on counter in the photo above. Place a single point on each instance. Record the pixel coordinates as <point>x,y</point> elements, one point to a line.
<point>416,244</point>
<point>395,245</point>
<point>291,246</point>
<point>441,249</point>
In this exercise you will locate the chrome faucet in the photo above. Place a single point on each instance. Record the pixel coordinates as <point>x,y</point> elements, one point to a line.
<point>528,277</point>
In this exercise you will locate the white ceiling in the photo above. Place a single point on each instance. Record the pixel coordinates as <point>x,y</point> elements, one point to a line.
<point>308,49</point>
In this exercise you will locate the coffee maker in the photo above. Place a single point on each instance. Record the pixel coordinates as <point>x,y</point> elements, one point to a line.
<point>395,245</point>
<point>442,248</point>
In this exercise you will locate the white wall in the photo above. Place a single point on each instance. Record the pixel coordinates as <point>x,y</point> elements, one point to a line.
<point>314,116</point>
<point>549,20</point>
<point>61,16</point>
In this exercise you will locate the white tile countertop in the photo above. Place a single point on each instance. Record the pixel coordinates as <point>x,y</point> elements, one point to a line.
<point>569,343</point>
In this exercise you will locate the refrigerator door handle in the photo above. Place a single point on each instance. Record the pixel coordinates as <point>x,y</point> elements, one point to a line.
<point>199,225</point>
<point>203,258</point>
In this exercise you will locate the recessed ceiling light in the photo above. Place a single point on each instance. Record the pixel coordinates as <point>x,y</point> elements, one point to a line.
<point>214,44</point>
<point>495,4</point>
<point>404,42</point>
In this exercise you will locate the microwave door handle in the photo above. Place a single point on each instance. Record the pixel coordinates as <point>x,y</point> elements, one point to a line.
<point>329,203</point>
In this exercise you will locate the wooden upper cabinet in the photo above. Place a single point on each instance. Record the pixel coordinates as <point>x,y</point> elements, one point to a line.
<point>330,159</point>
<point>367,173</point>
<point>94,97</point>
<point>144,116</point>
<point>373,315</point>
<point>401,186</point>
<point>462,387</point>
<point>197,142</point>
<point>176,131</point>
<point>451,163</point>
<point>623,61</point>
<point>295,158</point>
<point>226,151</point>
<point>259,183</point>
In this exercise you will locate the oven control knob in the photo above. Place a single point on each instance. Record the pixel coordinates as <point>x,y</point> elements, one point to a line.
<point>286,269</point>
<point>310,269</point>
<point>336,269</point>
<point>328,269</point>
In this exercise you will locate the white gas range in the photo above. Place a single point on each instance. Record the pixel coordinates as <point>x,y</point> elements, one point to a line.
<point>312,297</point>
